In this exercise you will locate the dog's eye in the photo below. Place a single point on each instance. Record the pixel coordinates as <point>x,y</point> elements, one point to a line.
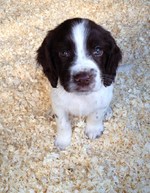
<point>64,54</point>
<point>97,51</point>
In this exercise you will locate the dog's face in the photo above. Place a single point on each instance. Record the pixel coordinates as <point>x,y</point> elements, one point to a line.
<point>79,54</point>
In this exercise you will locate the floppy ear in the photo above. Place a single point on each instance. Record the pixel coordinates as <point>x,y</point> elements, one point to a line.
<point>45,59</point>
<point>112,60</point>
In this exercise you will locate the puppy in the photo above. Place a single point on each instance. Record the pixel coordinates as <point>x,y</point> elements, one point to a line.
<point>80,59</point>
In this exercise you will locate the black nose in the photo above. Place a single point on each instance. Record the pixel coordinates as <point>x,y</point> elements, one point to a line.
<point>83,78</point>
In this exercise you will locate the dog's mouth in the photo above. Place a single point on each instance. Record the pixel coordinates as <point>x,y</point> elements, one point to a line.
<point>82,82</point>
<point>83,89</point>
<point>73,88</point>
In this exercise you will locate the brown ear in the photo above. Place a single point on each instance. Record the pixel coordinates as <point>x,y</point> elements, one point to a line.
<point>112,60</point>
<point>45,59</point>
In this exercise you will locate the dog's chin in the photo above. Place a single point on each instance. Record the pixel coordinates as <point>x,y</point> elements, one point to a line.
<point>82,90</point>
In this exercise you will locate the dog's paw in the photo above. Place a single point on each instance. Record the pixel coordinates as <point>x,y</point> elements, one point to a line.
<point>94,132</point>
<point>108,114</point>
<point>61,142</point>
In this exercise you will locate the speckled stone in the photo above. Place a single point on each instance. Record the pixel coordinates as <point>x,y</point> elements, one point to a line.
<point>116,162</point>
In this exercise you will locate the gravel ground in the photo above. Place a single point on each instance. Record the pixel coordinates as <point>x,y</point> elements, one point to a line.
<point>119,160</point>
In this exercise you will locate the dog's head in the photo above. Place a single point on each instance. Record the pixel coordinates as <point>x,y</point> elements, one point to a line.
<point>80,54</point>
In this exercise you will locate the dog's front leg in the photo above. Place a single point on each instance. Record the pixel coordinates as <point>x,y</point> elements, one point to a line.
<point>94,127</point>
<point>64,131</point>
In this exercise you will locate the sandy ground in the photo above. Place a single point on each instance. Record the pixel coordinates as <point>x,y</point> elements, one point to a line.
<point>117,162</point>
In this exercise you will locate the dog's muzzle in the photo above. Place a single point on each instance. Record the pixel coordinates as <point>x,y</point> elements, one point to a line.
<point>83,80</point>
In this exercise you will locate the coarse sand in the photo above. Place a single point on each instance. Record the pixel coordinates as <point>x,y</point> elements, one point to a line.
<point>119,161</point>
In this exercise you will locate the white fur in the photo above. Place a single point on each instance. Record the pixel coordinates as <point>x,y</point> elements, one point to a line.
<point>79,34</point>
<point>92,104</point>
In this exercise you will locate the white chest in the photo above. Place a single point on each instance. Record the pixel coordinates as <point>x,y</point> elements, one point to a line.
<point>81,105</point>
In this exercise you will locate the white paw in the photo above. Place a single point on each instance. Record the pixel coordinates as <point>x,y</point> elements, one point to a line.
<point>62,141</point>
<point>93,132</point>
<point>108,114</point>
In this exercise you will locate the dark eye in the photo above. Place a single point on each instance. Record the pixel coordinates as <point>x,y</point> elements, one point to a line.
<point>97,51</point>
<point>64,54</point>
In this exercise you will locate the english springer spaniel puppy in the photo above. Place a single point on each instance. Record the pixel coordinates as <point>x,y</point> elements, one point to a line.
<point>80,59</point>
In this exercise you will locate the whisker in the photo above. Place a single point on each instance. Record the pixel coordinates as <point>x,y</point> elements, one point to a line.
<point>107,75</point>
<point>107,78</point>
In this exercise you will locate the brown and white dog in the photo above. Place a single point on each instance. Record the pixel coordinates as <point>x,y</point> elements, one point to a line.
<point>80,59</point>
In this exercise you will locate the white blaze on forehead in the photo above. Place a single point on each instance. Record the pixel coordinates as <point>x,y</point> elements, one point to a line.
<point>83,61</point>
<point>79,34</point>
